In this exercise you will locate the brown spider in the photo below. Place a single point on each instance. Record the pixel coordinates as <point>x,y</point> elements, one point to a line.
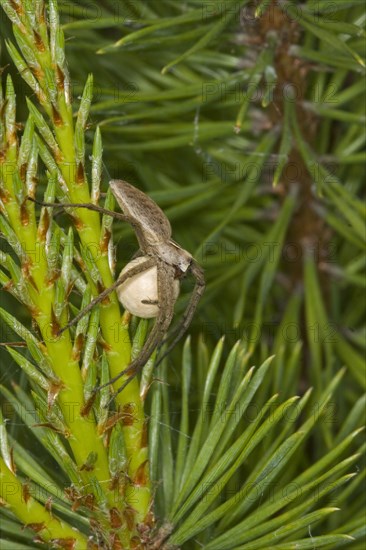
<point>158,251</point>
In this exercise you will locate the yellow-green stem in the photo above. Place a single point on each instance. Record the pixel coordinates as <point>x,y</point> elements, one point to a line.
<point>34,514</point>
<point>115,335</point>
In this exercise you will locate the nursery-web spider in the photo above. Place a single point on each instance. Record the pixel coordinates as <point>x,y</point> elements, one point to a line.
<point>157,250</point>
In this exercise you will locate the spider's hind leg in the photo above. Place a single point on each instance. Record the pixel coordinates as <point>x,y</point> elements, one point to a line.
<point>90,206</point>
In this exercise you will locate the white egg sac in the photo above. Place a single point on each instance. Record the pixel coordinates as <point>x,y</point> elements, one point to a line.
<point>139,294</point>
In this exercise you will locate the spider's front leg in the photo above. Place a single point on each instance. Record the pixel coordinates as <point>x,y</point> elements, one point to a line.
<point>150,262</point>
<point>166,300</point>
<point>182,327</point>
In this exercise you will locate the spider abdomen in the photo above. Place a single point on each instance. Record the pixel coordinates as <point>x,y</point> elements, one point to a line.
<point>148,220</point>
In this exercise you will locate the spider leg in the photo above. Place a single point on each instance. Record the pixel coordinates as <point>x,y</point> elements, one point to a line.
<point>130,273</point>
<point>138,254</point>
<point>166,276</point>
<point>181,328</point>
<point>82,205</point>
